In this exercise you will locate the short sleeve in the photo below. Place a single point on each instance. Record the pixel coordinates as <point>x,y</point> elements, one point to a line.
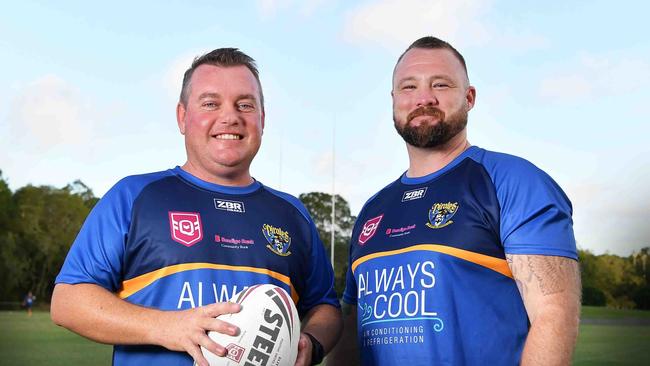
<point>535,213</point>
<point>97,254</point>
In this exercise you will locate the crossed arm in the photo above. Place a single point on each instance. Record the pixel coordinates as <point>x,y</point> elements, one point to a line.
<point>550,288</point>
<point>95,313</point>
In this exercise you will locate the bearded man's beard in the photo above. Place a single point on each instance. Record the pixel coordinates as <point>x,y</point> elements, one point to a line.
<point>431,135</point>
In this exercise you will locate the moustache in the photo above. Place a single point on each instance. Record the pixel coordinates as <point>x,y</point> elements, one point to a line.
<point>426,111</point>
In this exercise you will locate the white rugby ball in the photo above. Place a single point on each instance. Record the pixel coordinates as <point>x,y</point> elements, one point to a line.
<point>269,330</point>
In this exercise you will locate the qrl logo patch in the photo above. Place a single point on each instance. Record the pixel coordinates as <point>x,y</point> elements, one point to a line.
<point>369,229</point>
<point>235,352</point>
<point>414,194</point>
<point>185,227</point>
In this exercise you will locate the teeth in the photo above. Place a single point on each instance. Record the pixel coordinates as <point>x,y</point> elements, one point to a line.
<point>228,136</point>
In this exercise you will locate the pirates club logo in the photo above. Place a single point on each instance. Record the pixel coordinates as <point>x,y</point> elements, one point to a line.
<point>279,240</point>
<point>440,214</point>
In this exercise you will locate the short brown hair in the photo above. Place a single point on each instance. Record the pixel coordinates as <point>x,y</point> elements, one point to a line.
<point>433,43</point>
<point>222,57</point>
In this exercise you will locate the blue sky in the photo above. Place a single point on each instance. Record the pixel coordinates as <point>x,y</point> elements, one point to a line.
<point>88,92</point>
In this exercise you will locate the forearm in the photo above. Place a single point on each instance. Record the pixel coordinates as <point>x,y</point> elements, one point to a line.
<point>346,351</point>
<point>325,324</point>
<point>99,315</point>
<point>550,288</point>
<point>552,337</point>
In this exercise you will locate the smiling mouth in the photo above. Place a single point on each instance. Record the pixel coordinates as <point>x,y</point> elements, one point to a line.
<point>228,136</point>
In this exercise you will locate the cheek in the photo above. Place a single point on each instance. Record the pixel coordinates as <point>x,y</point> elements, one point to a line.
<point>402,105</point>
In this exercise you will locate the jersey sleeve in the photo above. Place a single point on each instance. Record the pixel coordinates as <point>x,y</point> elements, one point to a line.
<point>96,256</point>
<point>319,287</point>
<point>320,280</point>
<point>535,212</point>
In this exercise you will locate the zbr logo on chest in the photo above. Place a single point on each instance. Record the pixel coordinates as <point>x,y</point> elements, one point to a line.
<point>369,229</point>
<point>186,227</point>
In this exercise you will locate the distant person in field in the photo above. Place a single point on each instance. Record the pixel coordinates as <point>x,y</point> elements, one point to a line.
<point>28,302</point>
<point>161,254</point>
<point>484,270</point>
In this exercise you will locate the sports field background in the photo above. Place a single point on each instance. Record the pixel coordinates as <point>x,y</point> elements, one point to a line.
<point>607,337</point>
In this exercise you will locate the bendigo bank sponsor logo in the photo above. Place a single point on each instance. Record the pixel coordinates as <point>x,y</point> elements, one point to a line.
<point>185,227</point>
<point>440,214</point>
<point>279,240</point>
<point>369,229</point>
<point>229,242</point>
<point>401,231</point>
<point>414,194</point>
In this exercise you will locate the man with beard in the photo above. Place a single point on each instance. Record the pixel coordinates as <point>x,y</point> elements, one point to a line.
<point>469,257</point>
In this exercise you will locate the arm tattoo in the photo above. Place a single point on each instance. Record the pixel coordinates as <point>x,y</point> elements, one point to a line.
<point>550,272</point>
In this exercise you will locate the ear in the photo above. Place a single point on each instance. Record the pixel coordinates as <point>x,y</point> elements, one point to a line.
<point>262,119</point>
<point>180,117</point>
<point>470,97</point>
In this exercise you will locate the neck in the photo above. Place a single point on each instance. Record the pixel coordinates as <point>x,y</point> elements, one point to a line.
<point>424,161</point>
<point>224,176</point>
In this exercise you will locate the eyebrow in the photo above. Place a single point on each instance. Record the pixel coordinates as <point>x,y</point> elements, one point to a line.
<point>217,95</point>
<point>434,77</point>
<point>246,96</point>
<point>209,95</point>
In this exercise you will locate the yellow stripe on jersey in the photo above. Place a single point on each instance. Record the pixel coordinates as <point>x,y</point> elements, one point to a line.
<point>129,287</point>
<point>495,264</point>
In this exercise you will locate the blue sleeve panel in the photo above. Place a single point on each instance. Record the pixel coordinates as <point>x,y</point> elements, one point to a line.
<point>535,212</point>
<point>97,254</point>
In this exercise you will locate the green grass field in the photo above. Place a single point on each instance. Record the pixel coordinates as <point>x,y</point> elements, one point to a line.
<point>36,341</point>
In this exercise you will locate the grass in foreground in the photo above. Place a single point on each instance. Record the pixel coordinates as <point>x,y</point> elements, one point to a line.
<point>612,345</point>
<point>598,312</point>
<point>37,341</point>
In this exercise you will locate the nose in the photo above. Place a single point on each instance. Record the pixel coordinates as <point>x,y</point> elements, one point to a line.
<point>229,116</point>
<point>426,97</point>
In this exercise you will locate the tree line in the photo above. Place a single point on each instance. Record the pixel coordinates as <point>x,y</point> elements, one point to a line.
<point>39,223</point>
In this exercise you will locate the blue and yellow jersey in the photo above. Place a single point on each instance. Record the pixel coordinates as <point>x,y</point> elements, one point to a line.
<point>171,241</point>
<point>428,272</point>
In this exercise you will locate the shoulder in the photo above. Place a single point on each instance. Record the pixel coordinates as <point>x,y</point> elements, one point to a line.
<point>291,200</point>
<point>127,190</point>
<point>375,199</point>
<point>501,166</point>
<point>512,174</point>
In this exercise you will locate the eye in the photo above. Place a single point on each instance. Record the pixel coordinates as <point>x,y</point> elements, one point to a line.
<point>408,87</point>
<point>440,85</point>
<point>209,105</point>
<point>246,107</point>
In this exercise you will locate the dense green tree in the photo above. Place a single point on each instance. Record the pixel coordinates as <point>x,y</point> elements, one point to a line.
<point>319,205</point>
<point>41,225</point>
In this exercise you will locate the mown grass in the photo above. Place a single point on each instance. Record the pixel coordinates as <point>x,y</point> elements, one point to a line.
<point>37,341</point>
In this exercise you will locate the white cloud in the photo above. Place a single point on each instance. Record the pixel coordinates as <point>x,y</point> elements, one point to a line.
<point>49,111</point>
<point>397,23</point>
<point>596,76</point>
